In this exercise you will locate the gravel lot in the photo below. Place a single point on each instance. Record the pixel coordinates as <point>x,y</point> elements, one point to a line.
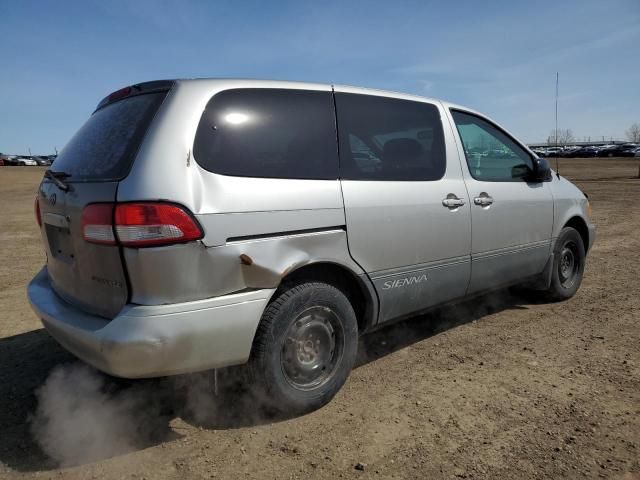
<point>498,387</point>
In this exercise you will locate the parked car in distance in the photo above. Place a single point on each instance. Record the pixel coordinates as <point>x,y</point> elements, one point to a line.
<point>9,160</point>
<point>568,152</point>
<point>26,161</point>
<point>603,148</point>
<point>553,151</point>
<point>294,218</point>
<point>23,160</point>
<point>586,152</point>
<point>42,160</point>
<point>626,150</point>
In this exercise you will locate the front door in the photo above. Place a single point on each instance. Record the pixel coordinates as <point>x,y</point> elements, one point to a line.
<point>408,217</point>
<point>511,219</point>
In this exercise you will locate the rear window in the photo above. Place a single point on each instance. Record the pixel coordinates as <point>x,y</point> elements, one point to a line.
<point>389,139</point>
<point>270,133</point>
<point>105,146</point>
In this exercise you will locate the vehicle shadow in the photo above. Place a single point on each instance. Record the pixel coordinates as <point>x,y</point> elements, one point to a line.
<point>144,409</point>
<point>399,335</point>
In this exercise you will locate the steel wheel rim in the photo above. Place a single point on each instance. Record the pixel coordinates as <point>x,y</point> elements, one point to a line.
<point>312,348</point>
<point>568,264</point>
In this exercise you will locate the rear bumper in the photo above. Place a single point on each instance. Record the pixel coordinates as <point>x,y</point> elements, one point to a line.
<point>152,341</point>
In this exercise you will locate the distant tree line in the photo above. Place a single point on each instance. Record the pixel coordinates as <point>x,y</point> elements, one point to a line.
<point>633,134</point>
<point>561,137</point>
<point>564,136</point>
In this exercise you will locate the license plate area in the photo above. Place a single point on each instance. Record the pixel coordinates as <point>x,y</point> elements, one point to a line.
<point>60,243</point>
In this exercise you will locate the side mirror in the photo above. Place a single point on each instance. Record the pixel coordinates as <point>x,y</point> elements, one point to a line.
<point>541,170</point>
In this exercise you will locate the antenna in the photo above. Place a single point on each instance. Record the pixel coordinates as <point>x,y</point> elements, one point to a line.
<point>557,160</point>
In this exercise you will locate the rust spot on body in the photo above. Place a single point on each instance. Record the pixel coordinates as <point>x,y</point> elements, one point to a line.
<point>246,259</point>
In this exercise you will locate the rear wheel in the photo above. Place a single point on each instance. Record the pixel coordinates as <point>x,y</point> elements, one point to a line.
<point>305,347</point>
<point>568,265</point>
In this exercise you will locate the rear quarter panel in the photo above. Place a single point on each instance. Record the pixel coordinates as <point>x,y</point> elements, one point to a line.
<point>193,271</point>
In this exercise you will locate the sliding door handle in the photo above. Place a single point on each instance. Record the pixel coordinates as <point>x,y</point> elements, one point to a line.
<point>452,201</point>
<point>484,200</point>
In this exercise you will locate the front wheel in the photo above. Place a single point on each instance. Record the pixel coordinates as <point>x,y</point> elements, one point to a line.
<point>305,347</point>
<point>568,265</point>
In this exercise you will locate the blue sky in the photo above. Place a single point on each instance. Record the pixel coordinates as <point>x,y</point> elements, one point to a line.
<point>59,58</point>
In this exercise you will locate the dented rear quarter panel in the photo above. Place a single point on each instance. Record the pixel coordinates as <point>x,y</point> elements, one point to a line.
<point>193,271</point>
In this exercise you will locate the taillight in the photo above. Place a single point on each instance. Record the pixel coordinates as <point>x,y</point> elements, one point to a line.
<point>36,208</point>
<point>97,223</point>
<point>139,224</point>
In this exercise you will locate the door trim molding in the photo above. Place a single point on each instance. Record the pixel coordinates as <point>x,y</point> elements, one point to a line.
<point>419,267</point>
<point>511,250</point>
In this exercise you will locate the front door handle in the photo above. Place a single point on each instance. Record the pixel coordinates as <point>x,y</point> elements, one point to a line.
<point>452,201</point>
<point>484,200</point>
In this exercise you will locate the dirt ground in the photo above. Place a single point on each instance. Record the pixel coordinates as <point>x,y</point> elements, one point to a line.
<point>498,387</point>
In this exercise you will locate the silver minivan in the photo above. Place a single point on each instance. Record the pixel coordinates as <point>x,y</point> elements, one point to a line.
<point>197,224</point>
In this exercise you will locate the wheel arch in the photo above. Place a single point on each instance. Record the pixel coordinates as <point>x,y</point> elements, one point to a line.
<point>357,287</point>
<point>579,224</point>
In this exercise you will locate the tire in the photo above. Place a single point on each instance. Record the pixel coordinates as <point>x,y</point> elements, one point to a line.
<point>568,265</point>
<point>305,347</point>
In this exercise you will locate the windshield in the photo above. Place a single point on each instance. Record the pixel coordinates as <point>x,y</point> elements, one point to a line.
<point>105,146</point>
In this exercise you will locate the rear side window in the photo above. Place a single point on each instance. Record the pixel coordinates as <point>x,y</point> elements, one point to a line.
<point>272,133</point>
<point>389,139</point>
<point>106,145</point>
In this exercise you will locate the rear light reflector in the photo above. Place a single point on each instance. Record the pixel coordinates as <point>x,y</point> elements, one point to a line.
<point>97,223</point>
<point>118,94</point>
<point>139,224</point>
<point>36,208</point>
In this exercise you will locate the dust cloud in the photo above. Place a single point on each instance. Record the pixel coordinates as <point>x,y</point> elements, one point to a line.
<point>83,415</point>
<point>77,420</point>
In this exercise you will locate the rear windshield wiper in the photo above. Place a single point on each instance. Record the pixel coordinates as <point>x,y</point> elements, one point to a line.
<point>58,179</point>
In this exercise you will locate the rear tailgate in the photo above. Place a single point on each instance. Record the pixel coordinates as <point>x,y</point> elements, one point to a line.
<point>91,275</point>
<point>87,275</point>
